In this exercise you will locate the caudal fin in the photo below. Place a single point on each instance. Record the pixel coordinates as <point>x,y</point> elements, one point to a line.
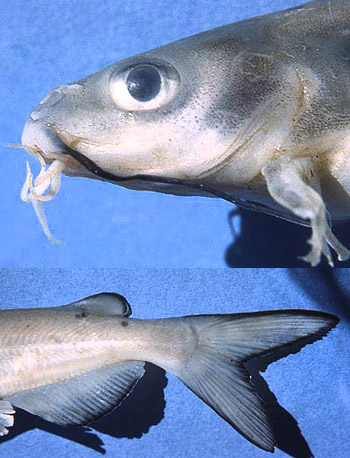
<point>215,371</point>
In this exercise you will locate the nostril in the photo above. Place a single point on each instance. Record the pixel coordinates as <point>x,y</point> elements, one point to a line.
<point>35,114</point>
<point>49,101</point>
<point>53,97</point>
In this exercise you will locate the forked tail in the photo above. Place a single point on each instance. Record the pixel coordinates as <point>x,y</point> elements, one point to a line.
<point>216,373</point>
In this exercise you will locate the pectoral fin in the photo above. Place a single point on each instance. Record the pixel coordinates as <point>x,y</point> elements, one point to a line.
<point>82,399</point>
<point>101,304</point>
<point>295,185</point>
<point>6,417</point>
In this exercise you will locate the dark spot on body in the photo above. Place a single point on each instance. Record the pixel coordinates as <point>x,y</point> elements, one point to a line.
<point>82,314</point>
<point>124,324</point>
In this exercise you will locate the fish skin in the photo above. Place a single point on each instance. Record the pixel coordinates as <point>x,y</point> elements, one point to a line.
<point>54,360</point>
<point>260,110</point>
<point>115,339</point>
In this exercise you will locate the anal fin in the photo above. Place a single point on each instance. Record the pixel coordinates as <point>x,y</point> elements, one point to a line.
<point>80,400</point>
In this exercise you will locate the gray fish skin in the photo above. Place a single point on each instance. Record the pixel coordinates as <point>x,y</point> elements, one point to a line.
<point>39,346</point>
<point>259,109</point>
<point>72,364</point>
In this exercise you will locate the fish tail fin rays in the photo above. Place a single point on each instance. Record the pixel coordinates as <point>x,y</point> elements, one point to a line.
<point>294,184</point>
<point>6,417</point>
<point>216,373</point>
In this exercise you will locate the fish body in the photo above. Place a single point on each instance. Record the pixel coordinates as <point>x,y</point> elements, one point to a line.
<point>42,358</point>
<point>258,110</point>
<point>74,363</point>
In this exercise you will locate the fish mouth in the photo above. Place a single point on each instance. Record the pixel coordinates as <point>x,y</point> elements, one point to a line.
<point>51,144</point>
<point>102,174</point>
<point>167,184</point>
<point>194,185</point>
<point>56,153</point>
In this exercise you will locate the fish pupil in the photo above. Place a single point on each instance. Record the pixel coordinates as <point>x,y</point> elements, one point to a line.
<point>144,83</point>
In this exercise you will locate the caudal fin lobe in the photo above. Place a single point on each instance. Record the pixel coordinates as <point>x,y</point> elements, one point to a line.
<point>216,373</point>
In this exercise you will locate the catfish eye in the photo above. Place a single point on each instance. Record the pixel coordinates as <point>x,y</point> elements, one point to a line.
<point>144,83</point>
<point>145,86</point>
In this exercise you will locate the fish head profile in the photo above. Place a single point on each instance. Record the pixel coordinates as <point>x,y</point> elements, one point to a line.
<point>195,110</point>
<point>237,112</point>
<point>181,110</point>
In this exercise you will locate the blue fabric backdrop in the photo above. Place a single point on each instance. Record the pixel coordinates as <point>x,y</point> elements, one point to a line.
<point>163,418</point>
<point>50,43</point>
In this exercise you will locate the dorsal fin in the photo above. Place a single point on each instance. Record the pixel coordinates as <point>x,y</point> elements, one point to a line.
<point>101,304</point>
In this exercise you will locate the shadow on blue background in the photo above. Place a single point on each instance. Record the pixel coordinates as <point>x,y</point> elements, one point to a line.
<point>324,286</point>
<point>289,437</point>
<point>265,241</point>
<point>145,408</point>
<point>141,410</point>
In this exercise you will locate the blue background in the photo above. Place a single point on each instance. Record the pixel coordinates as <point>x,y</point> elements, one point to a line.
<point>50,43</point>
<point>313,386</point>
